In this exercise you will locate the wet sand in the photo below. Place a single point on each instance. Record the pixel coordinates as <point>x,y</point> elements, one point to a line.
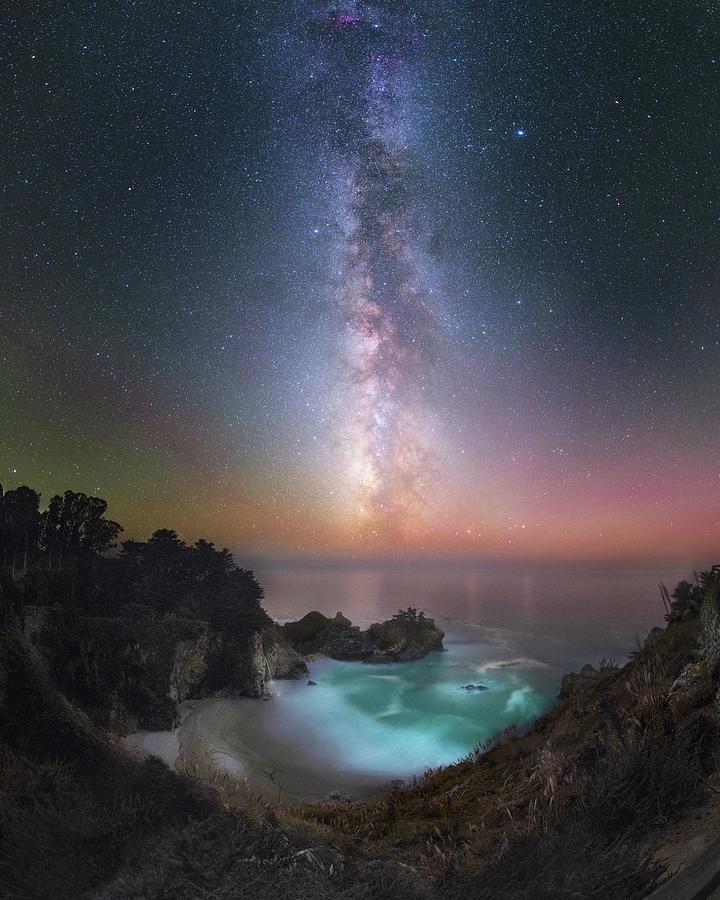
<point>234,736</point>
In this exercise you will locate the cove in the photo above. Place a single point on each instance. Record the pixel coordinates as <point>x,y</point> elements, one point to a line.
<point>399,719</point>
<point>361,726</point>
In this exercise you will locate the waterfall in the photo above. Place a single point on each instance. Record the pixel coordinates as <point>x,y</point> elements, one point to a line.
<point>268,670</point>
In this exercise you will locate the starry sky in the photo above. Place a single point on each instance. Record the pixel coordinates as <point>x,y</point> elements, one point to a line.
<point>395,279</point>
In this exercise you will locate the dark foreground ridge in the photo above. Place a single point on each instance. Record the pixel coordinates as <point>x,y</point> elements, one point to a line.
<point>407,636</point>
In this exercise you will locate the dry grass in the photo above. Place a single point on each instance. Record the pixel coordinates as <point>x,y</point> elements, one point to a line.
<point>649,685</point>
<point>231,794</point>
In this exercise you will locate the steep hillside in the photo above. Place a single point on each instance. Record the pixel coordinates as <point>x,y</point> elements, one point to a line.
<point>79,818</point>
<point>130,671</point>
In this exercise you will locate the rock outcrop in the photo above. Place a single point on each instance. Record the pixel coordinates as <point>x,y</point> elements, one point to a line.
<point>654,636</point>
<point>407,636</point>
<point>574,681</point>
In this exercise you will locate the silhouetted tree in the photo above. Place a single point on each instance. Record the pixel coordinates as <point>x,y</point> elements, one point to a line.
<point>50,528</point>
<point>132,553</point>
<point>165,554</point>
<point>409,615</point>
<point>74,528</point>
<point>20,513</point>
<point>99,535</point>
<point>208,564</point>
<point>246,587</point>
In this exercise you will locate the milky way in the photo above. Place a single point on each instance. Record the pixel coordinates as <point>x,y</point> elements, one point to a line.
<point>392,333</point>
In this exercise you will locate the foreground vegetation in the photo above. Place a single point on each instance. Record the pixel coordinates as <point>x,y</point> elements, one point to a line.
<point>575,807</point>
<point>127,636</point>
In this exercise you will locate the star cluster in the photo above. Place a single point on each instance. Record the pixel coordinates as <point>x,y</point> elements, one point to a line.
<point>368,278</point>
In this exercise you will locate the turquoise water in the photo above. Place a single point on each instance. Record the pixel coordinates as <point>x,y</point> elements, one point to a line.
<point>514,633</point>
<point>402,718</point>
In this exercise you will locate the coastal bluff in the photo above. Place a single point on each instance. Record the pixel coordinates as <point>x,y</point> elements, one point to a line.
<point>407,636</point>
<point>131,671</point>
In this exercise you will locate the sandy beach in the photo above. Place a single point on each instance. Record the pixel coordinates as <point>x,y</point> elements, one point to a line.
<point>233,736</point>
<point>354,729</point>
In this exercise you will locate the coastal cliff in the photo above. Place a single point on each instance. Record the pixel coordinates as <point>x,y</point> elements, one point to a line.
<point>128,638</point>
<point>130,672</point>
<point>407,636</point>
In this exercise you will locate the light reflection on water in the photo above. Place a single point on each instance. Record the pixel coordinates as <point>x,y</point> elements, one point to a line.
<point>576,617</point>
<point>402,718</point>
<point>514,634</point>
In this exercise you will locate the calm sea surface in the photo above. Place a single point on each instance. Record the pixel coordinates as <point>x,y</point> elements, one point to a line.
<point>514,634</point>
<point>565,617</point>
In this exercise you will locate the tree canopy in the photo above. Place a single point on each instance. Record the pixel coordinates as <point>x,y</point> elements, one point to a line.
<point>64,549</point>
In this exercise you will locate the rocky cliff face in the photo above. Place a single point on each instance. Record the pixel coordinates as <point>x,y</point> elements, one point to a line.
<point>281,660</point>
<point>403,638</point>
<point>131,672</point>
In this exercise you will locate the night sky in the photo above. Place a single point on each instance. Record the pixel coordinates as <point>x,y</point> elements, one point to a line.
<point>368,278</point>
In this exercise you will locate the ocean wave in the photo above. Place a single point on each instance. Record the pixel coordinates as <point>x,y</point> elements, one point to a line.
<point>519,662</point>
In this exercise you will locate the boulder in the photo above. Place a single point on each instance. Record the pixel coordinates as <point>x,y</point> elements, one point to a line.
<point>305,630</point>
<point>341,621</point>
<point>574,681</point>
<point>654,635</point>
